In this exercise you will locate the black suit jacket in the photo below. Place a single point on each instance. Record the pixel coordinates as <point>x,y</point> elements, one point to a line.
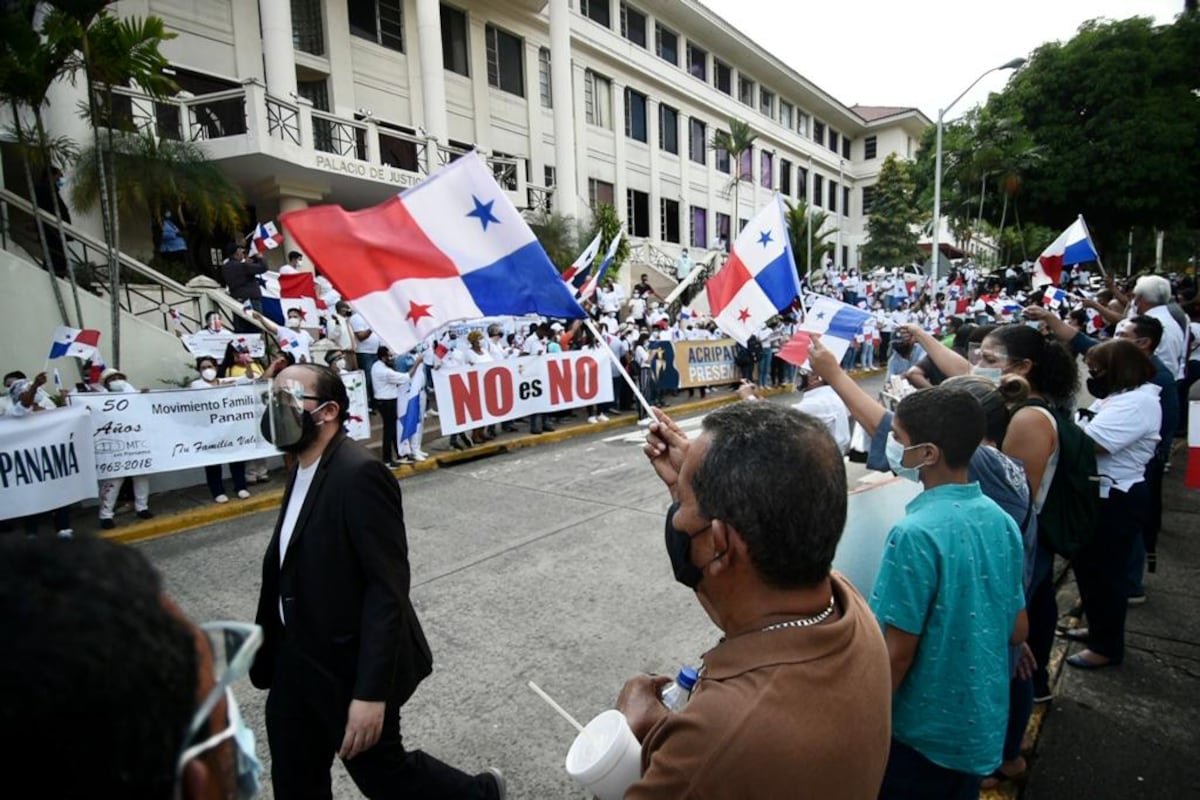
<point>344,584</point>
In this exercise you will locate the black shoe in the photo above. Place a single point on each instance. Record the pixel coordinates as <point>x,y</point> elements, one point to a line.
<point>145,513</point>
<point>107,524</point>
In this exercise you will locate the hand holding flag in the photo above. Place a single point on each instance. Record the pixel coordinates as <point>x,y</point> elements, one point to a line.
<point>837,322</point>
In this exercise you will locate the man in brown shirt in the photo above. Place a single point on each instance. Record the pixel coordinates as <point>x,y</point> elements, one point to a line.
<point>795,700</point>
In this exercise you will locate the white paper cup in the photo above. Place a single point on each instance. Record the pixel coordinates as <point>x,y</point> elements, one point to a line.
<point>605,758</point>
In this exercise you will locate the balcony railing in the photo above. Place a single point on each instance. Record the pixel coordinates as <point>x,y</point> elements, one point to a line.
<point>283,121</point>
<point>338,136</point>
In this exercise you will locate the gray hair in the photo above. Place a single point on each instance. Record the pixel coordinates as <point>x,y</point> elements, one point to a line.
<point>1154,289</point>
<point>777,476</point>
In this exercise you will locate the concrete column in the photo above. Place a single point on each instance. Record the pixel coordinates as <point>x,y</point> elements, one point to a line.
<point>433,85</point>
<point>335,21</point>
<point>480,97</point>
<point>567,193</point>
<point>621,186</point>
<point>248,41</point>
<point>279,53</point>
<point>289,203</point>
<point>577,155</point>
<point>533,108</point>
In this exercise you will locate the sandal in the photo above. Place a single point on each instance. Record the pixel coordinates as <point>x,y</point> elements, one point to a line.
<point>1079,634</point>
<point>999,776</point>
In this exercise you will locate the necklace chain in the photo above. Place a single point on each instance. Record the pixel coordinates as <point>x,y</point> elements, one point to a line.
<point>803,622</point>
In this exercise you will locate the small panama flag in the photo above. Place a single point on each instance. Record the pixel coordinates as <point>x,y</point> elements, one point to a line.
<point>265,236</point>
<point>1192,477</point>
<point>176,320</point>
<point>1053,298</point>
<point>81,344</point>
<point>1096,321</point>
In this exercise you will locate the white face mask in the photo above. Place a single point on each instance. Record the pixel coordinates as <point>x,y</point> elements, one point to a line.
<point>293,323</point>
<point>208,373</point>
<point>119,386</point>
<point>895,456</point>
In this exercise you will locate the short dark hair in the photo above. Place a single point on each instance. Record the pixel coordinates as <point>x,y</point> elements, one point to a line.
<point>1055,372</point>
<point>777,476</point>
<point>294,254</point>
<point>1147,327</point>
<point>209,316</point>
<point>1124,365</point>
<point>88,640</point>
<point>948,417</point>
<point>16,375</point>
<point>201,359</point>
<point>382,351</point>
<point>330,387</point>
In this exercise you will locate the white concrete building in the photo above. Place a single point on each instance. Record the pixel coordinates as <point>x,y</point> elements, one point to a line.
<point>573,101</point>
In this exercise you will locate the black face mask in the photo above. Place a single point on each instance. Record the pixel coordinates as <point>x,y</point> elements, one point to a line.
<point>679,548</point>
<point>296,428</point>
<point>1098,388</point>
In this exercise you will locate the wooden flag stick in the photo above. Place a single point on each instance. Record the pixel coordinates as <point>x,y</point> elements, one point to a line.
<point>600,340</point>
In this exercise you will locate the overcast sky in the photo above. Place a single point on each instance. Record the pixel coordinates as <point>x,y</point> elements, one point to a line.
<point>917,52</point>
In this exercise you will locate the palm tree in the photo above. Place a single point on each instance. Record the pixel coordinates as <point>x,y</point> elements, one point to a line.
<point>799,219</point>
<point>152,175</point>
<point>736,141</point>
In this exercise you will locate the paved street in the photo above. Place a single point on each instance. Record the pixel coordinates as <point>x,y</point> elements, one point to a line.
<point>544,565</point>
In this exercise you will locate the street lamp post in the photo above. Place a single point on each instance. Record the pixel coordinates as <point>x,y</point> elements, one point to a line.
<point>935,245</point>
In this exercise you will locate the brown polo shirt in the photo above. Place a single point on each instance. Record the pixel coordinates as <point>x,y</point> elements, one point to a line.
<point>791,713</point>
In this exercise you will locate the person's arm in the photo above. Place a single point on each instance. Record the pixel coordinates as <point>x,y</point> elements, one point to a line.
<point>916,376</point>
<point>28,397</point>
<point>945,359</point>
<point>1020,628</point>
<point>1079,342</point>
<point>266,322</point>
<point>865,410</point>
<point>902,650</point>
<point>1112,316</point>
<point>1121,298</point>
<point>1031,439</point>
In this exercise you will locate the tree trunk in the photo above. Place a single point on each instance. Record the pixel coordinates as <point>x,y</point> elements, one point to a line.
<point>37,219</point>
<point>58,220</point>
<point>1003,216</point>
<point>1020,233</point>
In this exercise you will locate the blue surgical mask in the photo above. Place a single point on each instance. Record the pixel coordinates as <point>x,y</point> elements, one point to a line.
<point>990,373</point>
<point>895,456</point>
<point>247,765</point>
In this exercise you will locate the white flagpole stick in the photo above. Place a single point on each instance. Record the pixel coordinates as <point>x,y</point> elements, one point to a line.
<point>600,340</point>
<point>692,276</point>
<point>562,712</point>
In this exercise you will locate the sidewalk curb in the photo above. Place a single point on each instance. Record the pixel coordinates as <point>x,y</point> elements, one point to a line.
<point>200,516</point>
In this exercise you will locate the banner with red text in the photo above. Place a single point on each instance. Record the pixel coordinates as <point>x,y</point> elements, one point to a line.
<point>484,394</point>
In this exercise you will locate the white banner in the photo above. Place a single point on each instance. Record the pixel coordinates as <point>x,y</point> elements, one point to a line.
<point>213,343</point>
<point>139,433</point>
<point>492,392</point>
<point>46,461</point>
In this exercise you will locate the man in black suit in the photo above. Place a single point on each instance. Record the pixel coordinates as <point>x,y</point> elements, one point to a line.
<point>343,648</point>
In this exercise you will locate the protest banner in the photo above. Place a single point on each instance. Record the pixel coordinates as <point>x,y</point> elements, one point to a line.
<point>484,394</point>
<point>46,461</point>
<point>213,343</point>
<point>689,364</point>
<point>140,433</point>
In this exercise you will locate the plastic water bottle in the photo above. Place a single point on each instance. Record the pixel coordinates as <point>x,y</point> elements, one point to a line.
<point>675,694</point>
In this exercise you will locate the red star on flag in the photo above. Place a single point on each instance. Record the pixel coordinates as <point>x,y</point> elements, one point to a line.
<point>416,311</point>
<point>743,315</point>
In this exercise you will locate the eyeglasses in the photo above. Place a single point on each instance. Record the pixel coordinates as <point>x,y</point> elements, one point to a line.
<point>293,398</point>
<point>233,646</point>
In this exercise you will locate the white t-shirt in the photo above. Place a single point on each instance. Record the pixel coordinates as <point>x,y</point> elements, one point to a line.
<point>304,479</point>
<point>297,342</point>
<point>386,382</point>
<point>368,346</point>
<point>824,404</point>
<point>1171,349</point>
<point>637,308</point>
<point>1126,425</point>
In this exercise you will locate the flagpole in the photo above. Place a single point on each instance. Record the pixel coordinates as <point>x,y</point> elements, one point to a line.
<point>600,340</point>
<point>1088,233</point>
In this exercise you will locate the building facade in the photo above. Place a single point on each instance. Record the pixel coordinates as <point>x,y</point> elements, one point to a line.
<point>574,102</point>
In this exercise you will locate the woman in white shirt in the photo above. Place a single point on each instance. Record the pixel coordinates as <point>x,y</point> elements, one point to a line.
<point>1124,424</point>
<point>207,367</point>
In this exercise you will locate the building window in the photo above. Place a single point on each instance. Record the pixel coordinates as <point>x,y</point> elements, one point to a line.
<point>802,120</point>
<point>597,100</point>
<point>308,29</point>
<point>846,200</point>
<point>666,44</point>
<point>833,140</point>
<point>633,25</point>
<point>833,196</point>
<point>818,190</point>
<point>505,61</point>
<point>635,115</point>
<point>868,199</point>
<point>721,156</point>
<point>697,141</point>
<point>802,184</point>
<point>637,212</point>
<point>845,255</point>
<point>597,11</point>
<point>869,147</point>
<point>746,90</point>
<point>766,103</point>
<point>454,41</point>
<point>767,169</point>
<point>379,21</point>
<point>845,146</point>
<point>668,129</point>
<point>818,131</point>
<point>722,77</point>
<point>315,92</point>
<point>746,165</point>
<point>601,192</point>
<point>786,114</point>
<point>785,176</point>
<point>544,90</point>
<point>721,222</point>
<point>698,231</point>
<point>742,223</point>
<point>669,217</point>
<point>697,62</point>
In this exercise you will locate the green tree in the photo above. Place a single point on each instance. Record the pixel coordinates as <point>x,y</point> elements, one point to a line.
<point>799,217</point>
<point>559,237</point>
<point>891,226</point>
<point>607,223</point>
<point>737,140</point>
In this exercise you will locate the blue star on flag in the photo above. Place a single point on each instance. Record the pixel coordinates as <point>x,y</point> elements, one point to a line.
<point>820,315</point>
<point>483,212</point>
<point>764,238</point>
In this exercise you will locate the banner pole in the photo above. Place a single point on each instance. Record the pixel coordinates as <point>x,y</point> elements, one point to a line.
<point>600,340</point>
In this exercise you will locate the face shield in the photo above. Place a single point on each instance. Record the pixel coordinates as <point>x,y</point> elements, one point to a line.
<point>286,423</point>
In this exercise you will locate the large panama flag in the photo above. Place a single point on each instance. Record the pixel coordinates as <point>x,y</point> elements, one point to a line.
<point>451,248</point>
<point>1073,246</point>
<point>759,278</point>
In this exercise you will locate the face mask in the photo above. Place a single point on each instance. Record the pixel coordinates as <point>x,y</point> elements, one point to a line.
<point>288,426</point>
<point>895,456</point>
<point>60,183</point>
<point>293,323</point>
<point>119,386</point>
<point>247,766</point>
<point>1098,388</point>
<point>679,548</point>
<point>208,373</point>
<point>990,373</point>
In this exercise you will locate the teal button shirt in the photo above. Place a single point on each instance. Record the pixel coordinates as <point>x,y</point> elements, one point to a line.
<point>951,574</point>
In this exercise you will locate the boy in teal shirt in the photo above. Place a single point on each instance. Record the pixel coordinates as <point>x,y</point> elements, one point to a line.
<point>950,600</point>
